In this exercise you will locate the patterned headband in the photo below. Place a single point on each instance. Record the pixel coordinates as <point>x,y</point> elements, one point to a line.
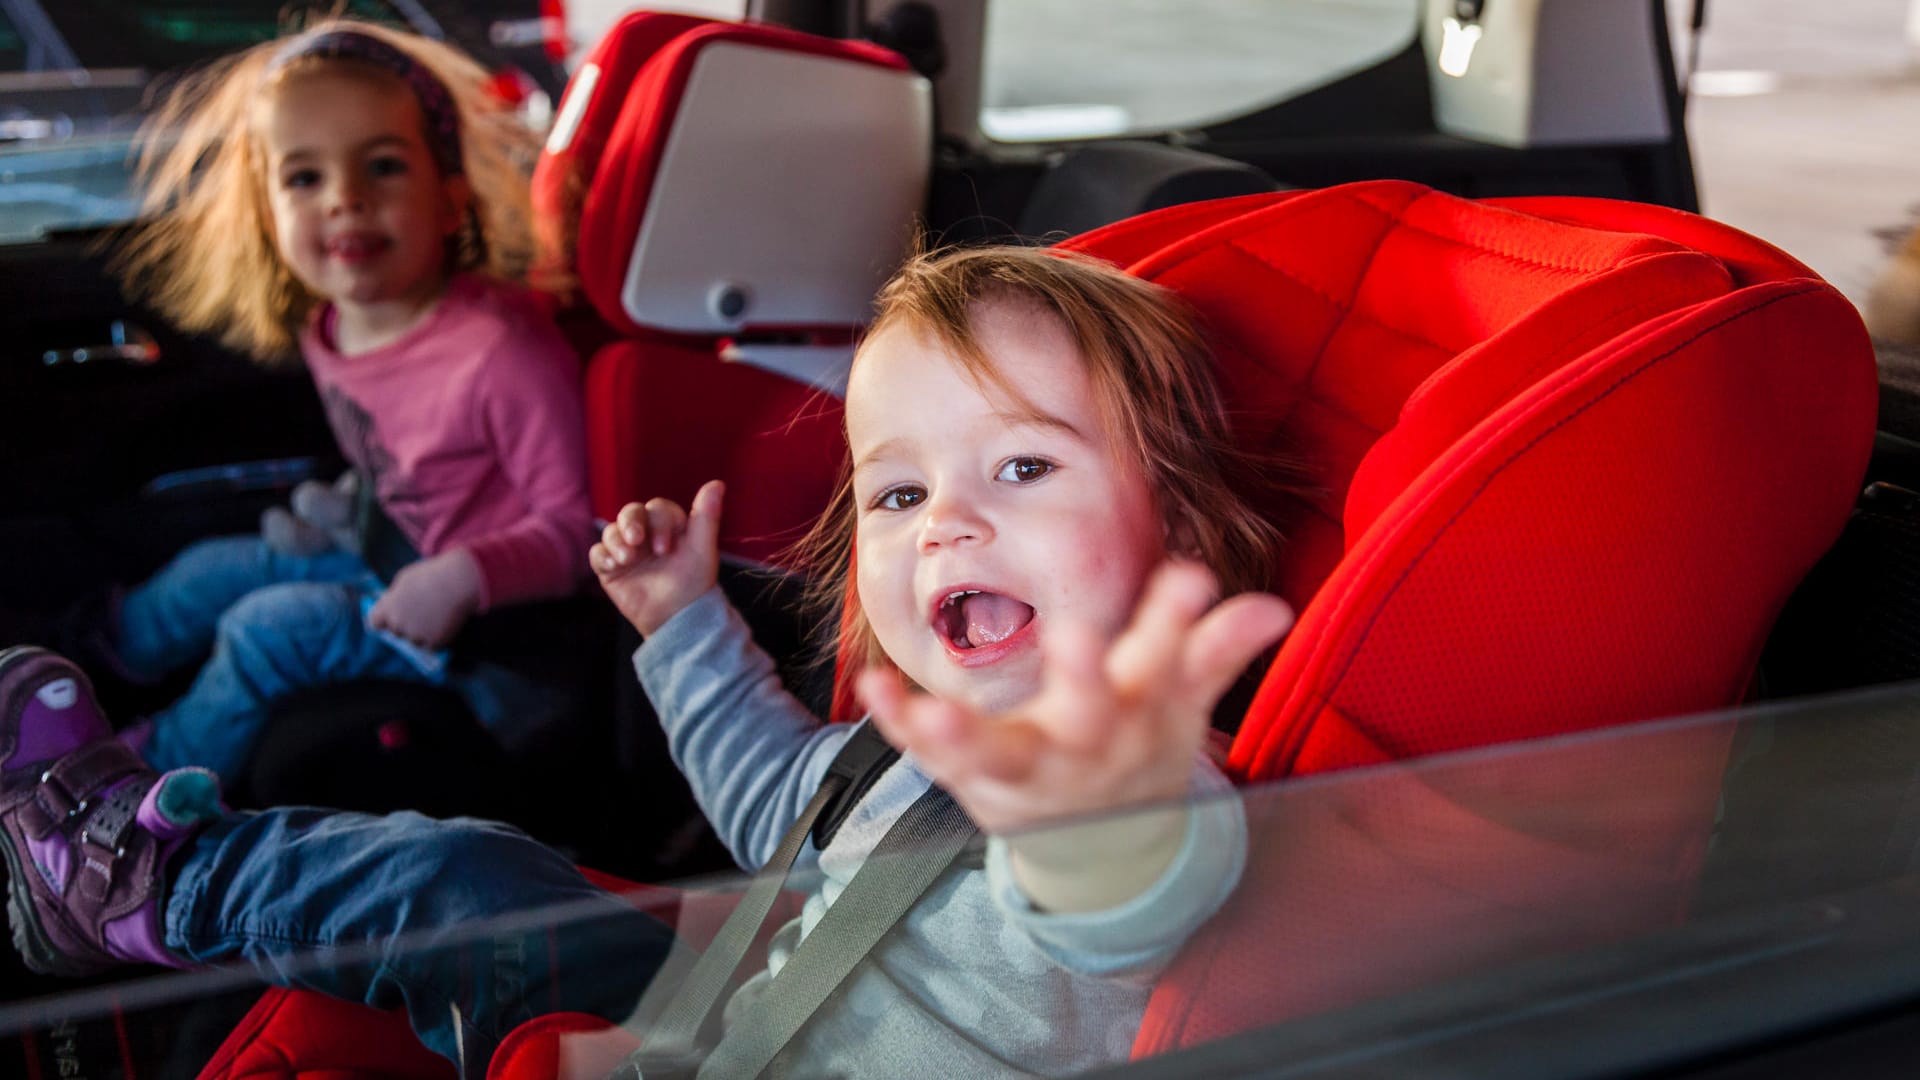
<point>443,120</point>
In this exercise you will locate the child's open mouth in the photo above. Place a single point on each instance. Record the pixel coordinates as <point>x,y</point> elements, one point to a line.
<point>974,619</point>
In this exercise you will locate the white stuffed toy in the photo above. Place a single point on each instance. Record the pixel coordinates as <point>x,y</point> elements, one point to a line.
<point>319,517</point>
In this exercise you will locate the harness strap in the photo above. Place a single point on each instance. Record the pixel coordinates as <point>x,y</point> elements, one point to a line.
<point>674,1044</point>
<point>913,854</point>
<point>923,842</point>
<point>860,762</point>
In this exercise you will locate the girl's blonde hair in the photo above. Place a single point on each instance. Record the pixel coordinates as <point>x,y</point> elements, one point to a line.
<point>1153,380</point>
<point>205,255</point>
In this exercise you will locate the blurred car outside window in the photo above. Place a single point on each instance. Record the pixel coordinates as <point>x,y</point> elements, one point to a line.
<point>1075,69</point>
<point>76,77</point>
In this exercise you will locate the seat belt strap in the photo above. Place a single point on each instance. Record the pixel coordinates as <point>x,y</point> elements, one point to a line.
<point>908,859</point>
<point>674,1044</point>
<point>861,761</point>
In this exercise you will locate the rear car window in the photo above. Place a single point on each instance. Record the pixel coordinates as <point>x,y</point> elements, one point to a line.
<point>76,77</point>
<point>13,47</point>
<point>162,34</point>
<point>1072,69</point>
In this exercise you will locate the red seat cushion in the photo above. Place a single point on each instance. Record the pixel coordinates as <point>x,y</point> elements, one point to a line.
<point>297,1035</point>
<point>561,1046</point>
<point>664,417</point>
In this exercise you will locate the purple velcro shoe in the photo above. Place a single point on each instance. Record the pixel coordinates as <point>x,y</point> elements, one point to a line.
<point>86,826</point>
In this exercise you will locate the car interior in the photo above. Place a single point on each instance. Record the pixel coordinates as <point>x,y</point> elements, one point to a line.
<point>1577,462</point>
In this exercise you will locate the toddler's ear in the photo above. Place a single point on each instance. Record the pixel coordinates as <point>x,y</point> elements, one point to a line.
<point>1183,540</point>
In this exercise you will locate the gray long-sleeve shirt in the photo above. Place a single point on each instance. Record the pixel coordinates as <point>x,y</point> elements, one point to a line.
<point>975,981</point>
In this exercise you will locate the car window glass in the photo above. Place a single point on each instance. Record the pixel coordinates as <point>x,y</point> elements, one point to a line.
<point>161,34</point>
<point>1734,873</point>
<point>64,138</point>
<point>1064,69</point>
<point>13,47</point>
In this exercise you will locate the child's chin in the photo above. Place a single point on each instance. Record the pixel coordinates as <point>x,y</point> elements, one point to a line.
<point>997,689</point>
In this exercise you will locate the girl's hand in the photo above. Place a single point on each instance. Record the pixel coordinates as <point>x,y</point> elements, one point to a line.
<point>1114,724</point>
<point>657,558</point>
<point>430,600</point>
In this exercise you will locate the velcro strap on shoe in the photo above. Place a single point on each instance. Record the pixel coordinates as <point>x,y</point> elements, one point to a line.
<point>95,877</point>
<point>108,884</point>
<point>93,767</point>
<point>112,816</point>
<point>45,811</point>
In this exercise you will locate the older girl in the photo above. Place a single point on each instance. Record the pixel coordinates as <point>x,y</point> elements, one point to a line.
<point>350,193</point>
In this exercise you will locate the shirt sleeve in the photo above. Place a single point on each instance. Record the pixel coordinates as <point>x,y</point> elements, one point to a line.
<point>753,754</point>
<point>531,407</point>
<point>1141,936</point>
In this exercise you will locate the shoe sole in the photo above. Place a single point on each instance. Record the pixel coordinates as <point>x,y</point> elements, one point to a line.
<point>30,938</point>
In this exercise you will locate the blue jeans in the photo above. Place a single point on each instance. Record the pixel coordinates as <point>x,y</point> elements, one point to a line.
<point>277,624</point>
<point>473,927</point>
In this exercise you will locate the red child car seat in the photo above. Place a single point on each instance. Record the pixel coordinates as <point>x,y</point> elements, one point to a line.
<point>701,172</point>
<point>1568,459</point>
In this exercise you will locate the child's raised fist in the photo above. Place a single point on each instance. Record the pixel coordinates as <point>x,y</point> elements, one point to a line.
<point>656,558</point>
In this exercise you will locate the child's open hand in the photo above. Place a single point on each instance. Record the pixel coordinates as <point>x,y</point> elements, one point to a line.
<point>657,558</point>
<point>1113,725</point>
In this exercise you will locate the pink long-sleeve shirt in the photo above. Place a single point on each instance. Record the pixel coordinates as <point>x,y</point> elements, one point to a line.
<point>472,430</point>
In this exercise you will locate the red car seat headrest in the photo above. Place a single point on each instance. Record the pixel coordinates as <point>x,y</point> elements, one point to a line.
<point>1332,310</point>
<point>719,176</point>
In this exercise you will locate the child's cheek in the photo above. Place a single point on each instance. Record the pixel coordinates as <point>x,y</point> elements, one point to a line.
<point>884,599</point>
<point>1111,576</point>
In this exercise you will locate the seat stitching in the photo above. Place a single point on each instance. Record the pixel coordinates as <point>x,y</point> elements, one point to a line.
<point>1320,354</point>
<point>1346,310</point>
<point>1399,218</point>
<point>1570,347</point>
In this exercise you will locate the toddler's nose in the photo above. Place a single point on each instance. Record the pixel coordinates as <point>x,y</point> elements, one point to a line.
<point>952,520</point>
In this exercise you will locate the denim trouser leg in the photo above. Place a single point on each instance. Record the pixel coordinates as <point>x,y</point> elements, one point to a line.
<point>473,927</point>
<point>274,641</point>
<point>170,619</point>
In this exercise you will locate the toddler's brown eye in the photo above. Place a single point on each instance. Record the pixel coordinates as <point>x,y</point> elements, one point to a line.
<point>1025,470</point>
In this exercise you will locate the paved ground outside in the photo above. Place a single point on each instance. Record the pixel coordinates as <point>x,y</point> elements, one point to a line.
<point>1805,128</point>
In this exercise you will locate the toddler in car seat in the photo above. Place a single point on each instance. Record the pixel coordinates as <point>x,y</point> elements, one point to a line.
<point>352,194</point>
<point>1044,506</point>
